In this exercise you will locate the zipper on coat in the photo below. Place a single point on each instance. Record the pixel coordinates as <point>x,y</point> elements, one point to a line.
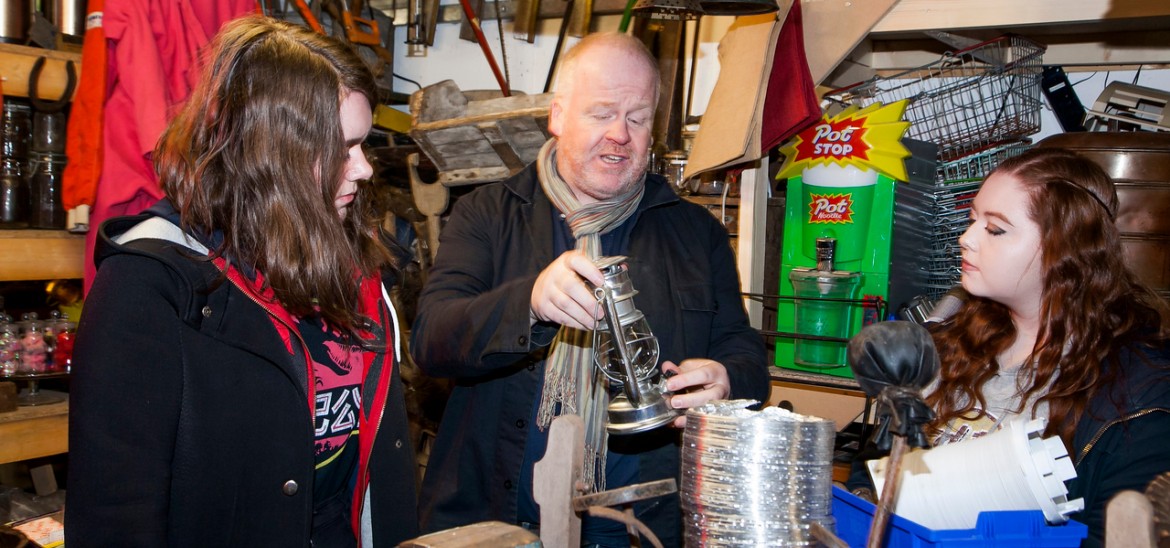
<point>1101,432</point>
<point>364,472</point>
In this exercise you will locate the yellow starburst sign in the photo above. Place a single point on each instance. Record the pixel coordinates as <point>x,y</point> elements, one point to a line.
<point>868,138</point>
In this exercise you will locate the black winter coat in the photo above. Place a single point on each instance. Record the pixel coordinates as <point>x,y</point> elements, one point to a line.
<point>473,326</point>
<point>190,422</point>
<point>1123,440</point>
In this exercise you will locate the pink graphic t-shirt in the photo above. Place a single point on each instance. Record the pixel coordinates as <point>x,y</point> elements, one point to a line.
<point>337,368</point>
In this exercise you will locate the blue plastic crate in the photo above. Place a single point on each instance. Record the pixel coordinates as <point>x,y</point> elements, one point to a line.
<point>999,529</point>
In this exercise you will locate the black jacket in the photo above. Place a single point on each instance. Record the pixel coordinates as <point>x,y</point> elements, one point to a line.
<point>473,326</point>
<point>1123,440</point>
<point>190,422</point>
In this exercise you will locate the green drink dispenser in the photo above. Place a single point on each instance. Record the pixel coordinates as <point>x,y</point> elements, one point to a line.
<point>838,224</point>
<point>835,254</point>
<point>822,307</point>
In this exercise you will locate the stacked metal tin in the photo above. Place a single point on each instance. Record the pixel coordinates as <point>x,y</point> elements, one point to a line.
<point>755,478</point>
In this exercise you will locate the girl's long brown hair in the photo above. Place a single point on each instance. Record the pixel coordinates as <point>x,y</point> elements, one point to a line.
<point>256,156</point>
<point>1091,307</point>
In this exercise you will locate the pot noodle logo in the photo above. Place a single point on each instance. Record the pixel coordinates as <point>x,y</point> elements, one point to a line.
<point>867,138</point>
<point>838,140</point>
<point>830,208</point>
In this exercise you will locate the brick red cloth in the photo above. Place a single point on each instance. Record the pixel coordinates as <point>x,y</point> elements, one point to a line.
<point>791,103</point>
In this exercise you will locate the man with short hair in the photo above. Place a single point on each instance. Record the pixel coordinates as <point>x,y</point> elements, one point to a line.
<point>508,309</point>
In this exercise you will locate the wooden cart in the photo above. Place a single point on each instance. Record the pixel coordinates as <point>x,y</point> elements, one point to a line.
<point>477,136</point>
<point>471,137</point>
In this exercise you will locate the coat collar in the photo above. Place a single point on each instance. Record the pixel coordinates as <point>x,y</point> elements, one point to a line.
<point>537,210</point>
<point>524,185</point>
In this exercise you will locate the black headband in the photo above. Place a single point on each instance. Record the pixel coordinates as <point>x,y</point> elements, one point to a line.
<point>1104,206</point>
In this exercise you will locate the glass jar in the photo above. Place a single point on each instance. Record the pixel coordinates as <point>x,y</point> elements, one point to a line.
<point>9,347</point>
<point>45,192</point>
<point>14,198</point>
<point>63,350</point>
<point>16,130</point>
<point>33,348</point>
<point>48,132</point>
<point>674,163</point>
<point>49,328</point>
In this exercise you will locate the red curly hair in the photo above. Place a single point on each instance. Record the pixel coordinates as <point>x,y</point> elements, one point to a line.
<point>1092,305</point>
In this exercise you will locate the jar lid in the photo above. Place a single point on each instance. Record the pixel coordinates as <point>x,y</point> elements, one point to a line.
<point>49,158</point>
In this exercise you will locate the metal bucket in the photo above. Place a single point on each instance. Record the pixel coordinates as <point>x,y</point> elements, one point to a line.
<point>1139,163</point>
<point>15,18</point>
<point>67,15</point>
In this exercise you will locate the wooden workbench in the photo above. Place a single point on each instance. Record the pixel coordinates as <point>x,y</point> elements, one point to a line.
<point>35,431</point>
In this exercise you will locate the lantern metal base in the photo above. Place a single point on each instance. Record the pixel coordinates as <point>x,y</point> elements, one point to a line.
<point>625,418</point>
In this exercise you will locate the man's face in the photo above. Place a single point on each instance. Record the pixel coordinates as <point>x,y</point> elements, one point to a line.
<point>603,124</point>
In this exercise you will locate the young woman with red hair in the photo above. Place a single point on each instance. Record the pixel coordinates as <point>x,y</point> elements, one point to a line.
<point>1058,327</point>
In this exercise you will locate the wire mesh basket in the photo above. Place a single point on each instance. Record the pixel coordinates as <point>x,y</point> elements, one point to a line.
<point>930,218</point>
<point>968,100</point>
<point>977,165</point>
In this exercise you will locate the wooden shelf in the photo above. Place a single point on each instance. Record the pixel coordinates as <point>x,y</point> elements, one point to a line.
<point>32,432</point>
<point>798,377</point>
<point>712,200</point>
<point>38,254</point>
<point>852,41</point>
<point>16,62</point>
<point>41,255</point>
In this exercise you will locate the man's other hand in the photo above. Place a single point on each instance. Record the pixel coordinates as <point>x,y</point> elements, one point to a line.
<point>695,382</point>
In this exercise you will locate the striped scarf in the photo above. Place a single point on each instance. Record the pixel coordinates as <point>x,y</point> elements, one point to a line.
<point>572,385</point>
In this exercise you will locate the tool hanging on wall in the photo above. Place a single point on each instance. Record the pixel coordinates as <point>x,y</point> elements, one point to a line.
<point>524,19</point>
<point>347,26</point>
<point>503,50</point>
<point>581,16</point>
<point>1062,98</point>
<point>552,67</point>
<point>421,18</point>
<point>483,45</point>
<point>431,19</point>
<point>51,105</point>
<point>414,24</point>
<point>311,15</point>
<point>468,32</point>
<point>694,66</point>
<point>465,30</point>
<point>665,39</point>
<point>360,30</point>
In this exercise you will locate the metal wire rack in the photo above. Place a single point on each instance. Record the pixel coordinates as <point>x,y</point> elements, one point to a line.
<point>977,165</point>
<point>931,217</point>
<point>968,100</point>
